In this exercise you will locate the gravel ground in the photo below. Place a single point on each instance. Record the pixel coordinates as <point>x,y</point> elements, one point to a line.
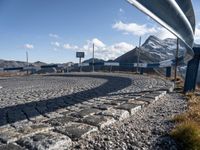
<point>147,129</point>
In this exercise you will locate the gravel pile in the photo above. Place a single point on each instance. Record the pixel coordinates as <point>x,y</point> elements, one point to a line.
<point>147,129</point>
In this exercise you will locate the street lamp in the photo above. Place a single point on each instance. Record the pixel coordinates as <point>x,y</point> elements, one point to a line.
<point>138,54</point>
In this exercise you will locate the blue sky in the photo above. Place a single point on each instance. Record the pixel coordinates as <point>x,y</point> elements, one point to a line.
<point>53,30</point>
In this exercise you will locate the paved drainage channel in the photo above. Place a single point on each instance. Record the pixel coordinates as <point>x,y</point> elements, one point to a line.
<point>59,130</point>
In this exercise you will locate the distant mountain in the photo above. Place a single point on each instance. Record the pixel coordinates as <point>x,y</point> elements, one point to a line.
<point>132,57</point>
<point>38,63</point>
<point>162,49</point>
<point>153,50</point>
<point>96,60</point>
<point>12,63</point>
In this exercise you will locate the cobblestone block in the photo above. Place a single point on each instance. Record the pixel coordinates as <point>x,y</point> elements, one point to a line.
<point>76,130</point>
<point>11,146</point>
<point>62,110</point>
<point>147,99</point>
<point>62,120</point>
<point>30,130</point>
<point>103,106</point>
<point>3,118</point>
<point>46,141</point>
<point>99,121</point>
<point>154,97</point>
<point>42,108</point>
<point>53,115</point>
<point>138,102</point>
<point>115,102</point>
<point>116,114</point>
<point>73,108</point>
<point>132,108</point>
<point>15,115</point>
<point>169,88</point>
<point>10,135</point>
<point>19,124</point>
<point>161,93</point>
<point>86,112</point>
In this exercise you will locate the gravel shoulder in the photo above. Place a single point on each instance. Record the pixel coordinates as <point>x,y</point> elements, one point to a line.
<point>147,129</point>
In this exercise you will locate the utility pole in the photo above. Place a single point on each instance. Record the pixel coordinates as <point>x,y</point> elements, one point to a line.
<point>176,64</point>
<point>27,63</point>
<point>138,54</point>
<point>27,58</point>
<point>80,63</point>
<point>93,59</point>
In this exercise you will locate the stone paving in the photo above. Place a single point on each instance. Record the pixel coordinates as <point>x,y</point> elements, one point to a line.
<point>52,112</point>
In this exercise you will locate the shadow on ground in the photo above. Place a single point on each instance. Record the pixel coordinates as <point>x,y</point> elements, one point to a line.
<point>25,111</point>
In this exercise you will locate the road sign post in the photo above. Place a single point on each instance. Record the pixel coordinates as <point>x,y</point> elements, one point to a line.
<point>93,57</point>
<point>80,55</point>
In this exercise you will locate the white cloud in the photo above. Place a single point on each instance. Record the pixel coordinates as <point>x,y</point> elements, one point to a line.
<point>121,10</point>
<point>113,51</point>
<point>28,46</point>
<point>88,48</point>
<point>98,43</point>
<point>133,28</point>
<point>70,47</point>
<point>56,44</point>
<point>53,35</point>
<point>197,34</point>
<point>141,30</point>
<point>102,51</point>
<point>163,33</point>
<point>105,52</point>
<point>60,46</point>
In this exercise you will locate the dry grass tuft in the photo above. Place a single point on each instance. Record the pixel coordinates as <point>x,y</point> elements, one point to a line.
<point>187,135</point>
<point>187,131</point>
<point>180,118</point>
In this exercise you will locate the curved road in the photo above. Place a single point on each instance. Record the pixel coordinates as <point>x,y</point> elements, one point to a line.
<point>70,105</point>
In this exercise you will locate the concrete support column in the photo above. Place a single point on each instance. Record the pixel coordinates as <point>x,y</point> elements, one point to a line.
<point>192,71</point>
<point>141,70</point>
<point>168,72</point>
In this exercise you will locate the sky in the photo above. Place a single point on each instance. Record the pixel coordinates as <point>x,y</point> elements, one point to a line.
<point>53,31</point>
